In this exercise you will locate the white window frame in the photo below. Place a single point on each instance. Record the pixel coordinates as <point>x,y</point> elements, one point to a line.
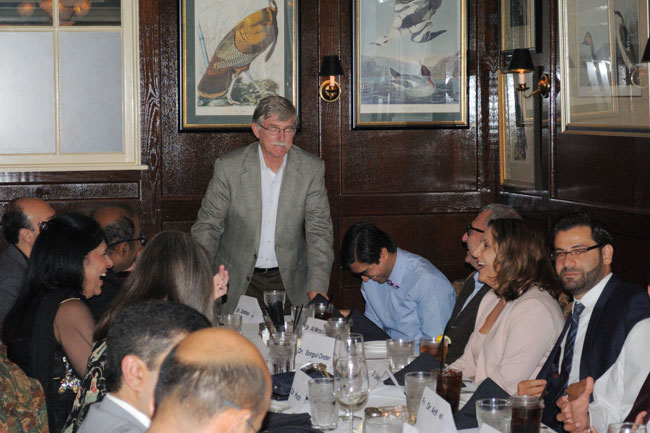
<point>130,157</point>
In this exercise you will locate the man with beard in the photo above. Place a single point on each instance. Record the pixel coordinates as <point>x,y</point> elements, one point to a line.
<point>605,309</point>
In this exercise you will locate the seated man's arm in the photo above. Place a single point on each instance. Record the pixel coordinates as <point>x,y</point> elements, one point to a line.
<point>318,235</point>
<point>435,302</point>
<point>210,219</point>
<point>574,407</point>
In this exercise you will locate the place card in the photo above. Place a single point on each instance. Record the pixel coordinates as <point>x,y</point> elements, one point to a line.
<point>434,415</point>
<point>316,348</point>
<point>249,309</point>
<point>316,326</point>
<point>299,389</point>
<point>377,369</point>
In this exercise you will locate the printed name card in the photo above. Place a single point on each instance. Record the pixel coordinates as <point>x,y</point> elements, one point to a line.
<point>434,415</point>
<point>316,348</point>
<point>299,390</point>
<point>377,371</point>
<point>316,326</point>
<point>249,309</point>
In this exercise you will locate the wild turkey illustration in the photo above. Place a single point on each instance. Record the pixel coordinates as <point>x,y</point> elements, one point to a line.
<point>237,50</point>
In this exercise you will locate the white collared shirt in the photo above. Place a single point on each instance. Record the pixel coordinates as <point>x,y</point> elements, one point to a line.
<point>271,183</point>
<point>477,287</point>
<point>142,418</point>
<point>589,300</point>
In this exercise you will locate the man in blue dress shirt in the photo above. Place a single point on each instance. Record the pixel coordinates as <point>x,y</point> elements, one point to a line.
<point>405,294</point>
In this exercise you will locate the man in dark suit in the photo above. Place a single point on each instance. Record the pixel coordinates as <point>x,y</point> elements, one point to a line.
<point>461,324</point>
<point>137,343</point>
<point>20,226</point>
<point>604,311</point>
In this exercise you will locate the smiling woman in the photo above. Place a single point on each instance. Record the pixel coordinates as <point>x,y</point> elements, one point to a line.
<point>48,332</point>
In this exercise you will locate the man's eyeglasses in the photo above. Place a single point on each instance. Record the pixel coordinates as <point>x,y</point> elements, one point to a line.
<point>275,130</point>
<point>470,228</point>
<point>555,255</point>
<point>141,238</point>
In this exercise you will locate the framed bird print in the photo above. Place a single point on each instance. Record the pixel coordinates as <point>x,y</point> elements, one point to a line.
<point>232,54</point>
<point>604,84</point>
<point>410,64</point>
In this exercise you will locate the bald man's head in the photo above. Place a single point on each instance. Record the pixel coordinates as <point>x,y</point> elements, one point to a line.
<point>122,229</point>
<point>210,372</point>
<point>20,222</point>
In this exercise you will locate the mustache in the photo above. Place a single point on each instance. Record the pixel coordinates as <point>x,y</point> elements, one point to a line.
<point>569,270</point>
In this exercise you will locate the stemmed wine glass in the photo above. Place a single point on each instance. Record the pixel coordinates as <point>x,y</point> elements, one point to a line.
<point>351,384</point>
<point>348,345</point>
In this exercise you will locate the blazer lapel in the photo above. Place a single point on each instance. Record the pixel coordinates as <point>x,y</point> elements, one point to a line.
<point>251,181</point>
<point>290,181</point>
<point>585,358</point>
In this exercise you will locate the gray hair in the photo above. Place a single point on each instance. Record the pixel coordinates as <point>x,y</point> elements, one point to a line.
<point>208,388</point>
<point>500,211</point>
<point>281,107</point>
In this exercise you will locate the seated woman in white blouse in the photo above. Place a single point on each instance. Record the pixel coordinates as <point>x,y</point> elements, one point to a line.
<point>519,320</point>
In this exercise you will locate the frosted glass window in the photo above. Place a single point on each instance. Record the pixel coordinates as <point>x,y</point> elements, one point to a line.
<point>91,92</point>
<point>27,93</point>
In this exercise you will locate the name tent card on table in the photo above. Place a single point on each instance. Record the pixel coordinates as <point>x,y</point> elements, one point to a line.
<point>249,309</point>
<point>316,348</point>
<point>316,326</point>
<point>434,415</point>
<point>299,389</point>
<point>377,371</point>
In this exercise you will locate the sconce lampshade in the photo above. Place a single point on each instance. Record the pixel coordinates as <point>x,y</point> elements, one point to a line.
<point>646,52</point>
<point>331,65</point>
<point>521,61</point>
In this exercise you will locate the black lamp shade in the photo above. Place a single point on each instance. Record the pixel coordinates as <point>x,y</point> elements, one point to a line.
<point>521,61</point>
<point>646,52</point>
<point>331,65</point>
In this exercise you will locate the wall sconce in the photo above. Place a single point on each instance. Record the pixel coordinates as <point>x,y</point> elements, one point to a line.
<point>521,63</point>
<point>330,90</point>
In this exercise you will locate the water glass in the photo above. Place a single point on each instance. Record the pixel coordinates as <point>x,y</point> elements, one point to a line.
<point>383,424</point>
<point>306,312</point>
<point>323,310</point>
<point>400,353</point>
<point>282,353</point>
<point>526,414</point>
<point>414,385</point>
<point>323,409</point>
<point>495,412</point>
<point>230,321</point>
<point>337,326</point>
<point>626,427</point>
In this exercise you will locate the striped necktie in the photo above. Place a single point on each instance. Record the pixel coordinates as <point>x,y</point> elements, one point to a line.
<point>567,360</point>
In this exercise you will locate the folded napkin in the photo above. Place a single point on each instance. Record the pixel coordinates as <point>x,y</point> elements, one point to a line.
<point>282,385</point>
<point>424,362</point>
<point>366,327</point>
<point>466,417</point>
<point>287,423</point>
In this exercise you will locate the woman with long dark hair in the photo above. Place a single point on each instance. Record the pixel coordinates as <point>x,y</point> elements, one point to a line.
<point>519,320</point>
<point>173,267</point>
<point>48,332</point>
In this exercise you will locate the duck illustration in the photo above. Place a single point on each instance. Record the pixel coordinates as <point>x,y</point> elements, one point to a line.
<point>237,50</point>
<point>414,85</point>
<point>413,17</point>
<point>625,54</point>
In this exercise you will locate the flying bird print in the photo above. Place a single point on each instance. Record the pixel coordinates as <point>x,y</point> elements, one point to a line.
<point>414,18</point>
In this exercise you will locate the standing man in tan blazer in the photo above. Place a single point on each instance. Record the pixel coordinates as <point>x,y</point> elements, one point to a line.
<point>265,214</point>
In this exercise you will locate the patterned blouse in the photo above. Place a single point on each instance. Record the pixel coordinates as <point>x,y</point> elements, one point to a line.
<point>92,389</point>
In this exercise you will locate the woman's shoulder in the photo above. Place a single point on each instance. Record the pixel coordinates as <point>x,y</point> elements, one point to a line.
<point>541,300</point>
